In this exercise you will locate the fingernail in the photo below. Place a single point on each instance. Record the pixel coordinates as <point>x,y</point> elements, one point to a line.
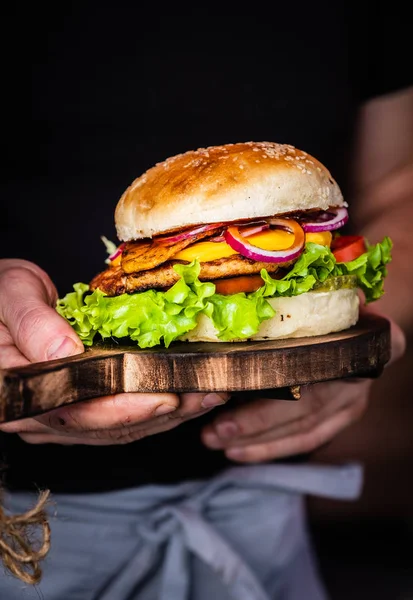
<point>62,347</point>
<point>227,429</point>
<point>164,409</point>
<point>236,453</point>
<point>212,440</point>
<point>211,400</point>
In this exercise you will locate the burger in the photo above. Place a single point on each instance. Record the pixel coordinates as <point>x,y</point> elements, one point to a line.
<point>229,243</point>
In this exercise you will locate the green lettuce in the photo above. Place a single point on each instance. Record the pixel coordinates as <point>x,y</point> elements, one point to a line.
<point>370,269</point>
<point>148,318</point>
<point>151,318</point>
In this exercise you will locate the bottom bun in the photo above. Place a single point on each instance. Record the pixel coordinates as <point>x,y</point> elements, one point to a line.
<point>313,313</point>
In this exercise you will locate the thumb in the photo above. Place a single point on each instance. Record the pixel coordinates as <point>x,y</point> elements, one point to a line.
<point>398,341</point>
<point>397,335</point>
<point>27,299</point>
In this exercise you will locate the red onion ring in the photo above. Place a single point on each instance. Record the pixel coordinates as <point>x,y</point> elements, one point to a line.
<point>252,229</point>
<point>338,219</point>
<point>183,235</point>
<point>245,231</point>
<point>117,252</point>
<point>237,242</point>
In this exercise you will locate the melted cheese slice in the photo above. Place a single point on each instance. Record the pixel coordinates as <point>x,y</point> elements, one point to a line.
<point>267,240</point>
<point>322,237</point>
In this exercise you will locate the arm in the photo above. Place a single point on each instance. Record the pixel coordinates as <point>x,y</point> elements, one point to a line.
<point>383,187</point>
<point>268,429</point>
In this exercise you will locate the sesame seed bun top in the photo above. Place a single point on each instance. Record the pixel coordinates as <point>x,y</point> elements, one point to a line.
<point>222,184</point>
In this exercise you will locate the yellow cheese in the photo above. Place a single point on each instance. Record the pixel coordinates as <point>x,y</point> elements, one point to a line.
<point>205,252</point>
<point>276,239</point>
<point>116,261</point>
<point>322,237</point>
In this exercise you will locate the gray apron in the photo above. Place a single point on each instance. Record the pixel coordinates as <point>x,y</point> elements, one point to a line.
<point>241,535</point>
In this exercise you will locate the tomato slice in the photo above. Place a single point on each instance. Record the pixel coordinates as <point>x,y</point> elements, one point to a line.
<point>234,285</point>
<point>345,248</point>
<point>348,247</point>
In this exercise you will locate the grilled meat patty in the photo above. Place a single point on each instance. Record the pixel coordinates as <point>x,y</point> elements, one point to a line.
<point>114,281</point>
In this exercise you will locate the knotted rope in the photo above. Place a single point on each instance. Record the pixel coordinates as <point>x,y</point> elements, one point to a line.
<point>25,540</point>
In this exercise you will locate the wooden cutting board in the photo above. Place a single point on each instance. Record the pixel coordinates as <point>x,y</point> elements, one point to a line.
<point>361,351</point>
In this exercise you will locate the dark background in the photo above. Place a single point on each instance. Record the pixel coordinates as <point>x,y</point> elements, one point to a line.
<point>91,97</point>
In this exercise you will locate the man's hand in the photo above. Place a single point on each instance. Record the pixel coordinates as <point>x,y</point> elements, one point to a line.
<point>31,331</point>
<point>268,429</point>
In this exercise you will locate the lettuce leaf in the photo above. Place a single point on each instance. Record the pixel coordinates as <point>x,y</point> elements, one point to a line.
<point>148,318</point>
<point>151,318</point>
<point>370,269</point>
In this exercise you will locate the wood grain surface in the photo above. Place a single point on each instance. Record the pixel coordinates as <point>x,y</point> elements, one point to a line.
<point>360,351</point>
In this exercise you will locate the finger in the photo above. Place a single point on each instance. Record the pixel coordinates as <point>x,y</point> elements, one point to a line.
<point>124,435</point>
<point>263,416</point>
<point>138,432</point>
<point>10,356</point>
<point>260,415</point>
<point>62,440</point>
<point>397,335</point>
<point>24,426</point>
<point>195,401</point>
<point>109,412</point>
<point>223,436</point>
<point>301,443</point>
<point>267,419</point>
<point>120,411</point>
<point>227,439</point>
<point>125,410</point>
<point>27,298</point>
<point>398,342</point>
